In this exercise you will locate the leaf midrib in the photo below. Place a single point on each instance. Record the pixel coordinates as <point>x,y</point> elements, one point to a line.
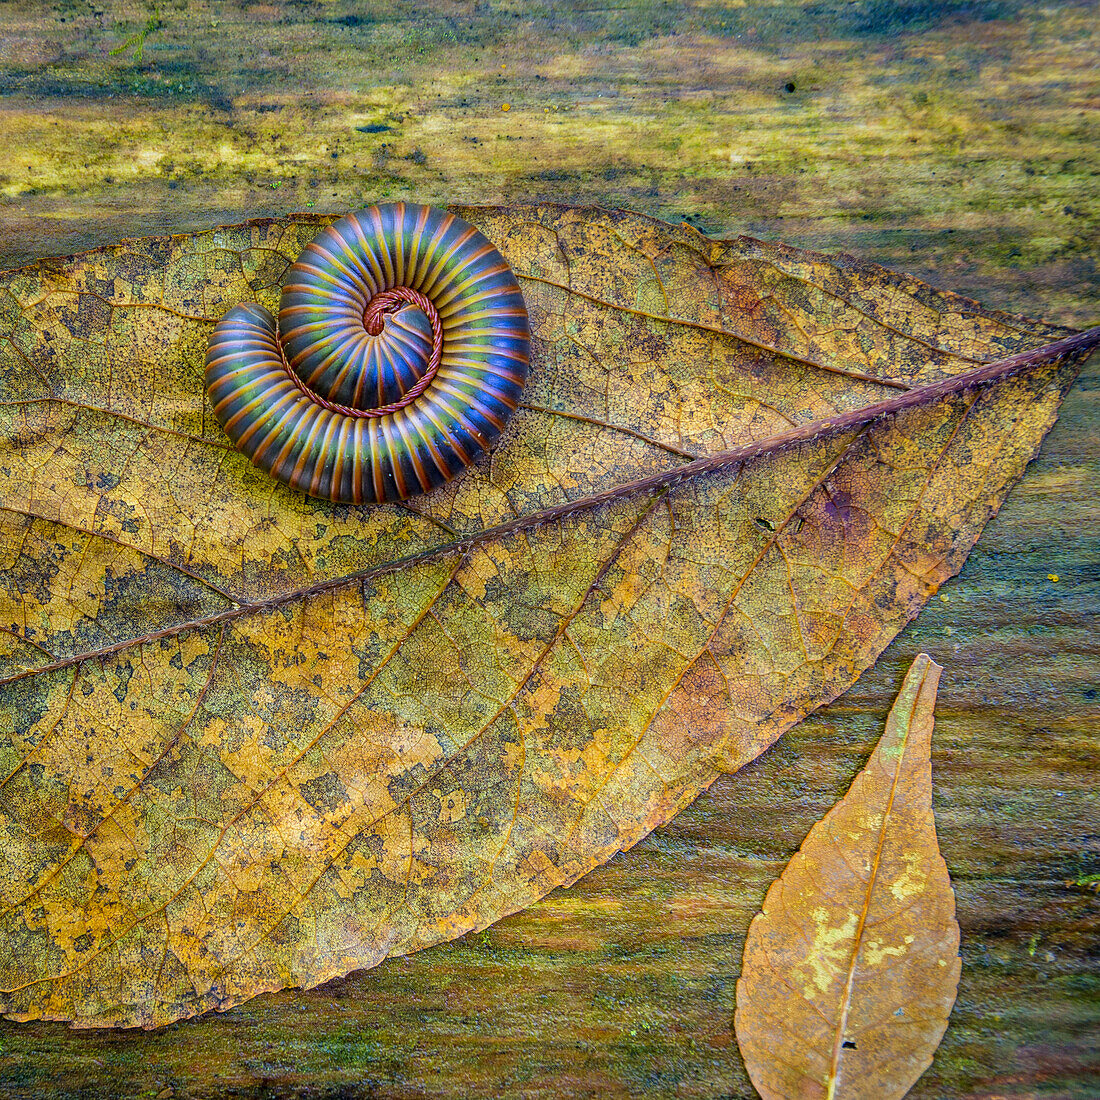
<point>1078,345</point>
<point>841,1022</point>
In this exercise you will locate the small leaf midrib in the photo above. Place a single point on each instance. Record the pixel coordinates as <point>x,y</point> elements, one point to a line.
<point>869,890</point>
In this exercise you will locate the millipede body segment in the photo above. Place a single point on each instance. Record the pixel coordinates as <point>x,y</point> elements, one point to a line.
<point>402,347</point>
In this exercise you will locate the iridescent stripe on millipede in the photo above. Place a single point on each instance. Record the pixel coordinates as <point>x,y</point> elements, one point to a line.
<point>402,348</point>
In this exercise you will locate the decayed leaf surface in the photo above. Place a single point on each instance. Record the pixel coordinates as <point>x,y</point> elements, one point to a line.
<point>252,740</point>
<point>851,968</point>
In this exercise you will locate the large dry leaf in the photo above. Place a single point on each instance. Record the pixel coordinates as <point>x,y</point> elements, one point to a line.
<point>851,969</point>
<point>254,740</point>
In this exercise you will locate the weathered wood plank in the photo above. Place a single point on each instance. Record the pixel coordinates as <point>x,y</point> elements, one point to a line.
<point>950,140</point>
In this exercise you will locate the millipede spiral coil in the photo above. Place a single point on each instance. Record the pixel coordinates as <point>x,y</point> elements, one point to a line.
<point>401,349</point>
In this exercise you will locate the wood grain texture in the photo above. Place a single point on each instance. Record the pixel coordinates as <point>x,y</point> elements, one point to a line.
<point>945,139</point>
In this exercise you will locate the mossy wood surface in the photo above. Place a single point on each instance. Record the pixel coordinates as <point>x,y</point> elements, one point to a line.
<point>951,140</point>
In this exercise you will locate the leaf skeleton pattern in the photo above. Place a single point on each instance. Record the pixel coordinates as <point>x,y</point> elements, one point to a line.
<point>303,758</point>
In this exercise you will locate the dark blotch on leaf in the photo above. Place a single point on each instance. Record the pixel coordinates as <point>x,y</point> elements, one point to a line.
<point>324,793</point>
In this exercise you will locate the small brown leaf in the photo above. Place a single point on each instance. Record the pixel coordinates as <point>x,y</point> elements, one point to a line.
<point>851,969</point>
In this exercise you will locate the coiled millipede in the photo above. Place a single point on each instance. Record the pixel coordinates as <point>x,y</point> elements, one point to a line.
<point>401,349</point>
